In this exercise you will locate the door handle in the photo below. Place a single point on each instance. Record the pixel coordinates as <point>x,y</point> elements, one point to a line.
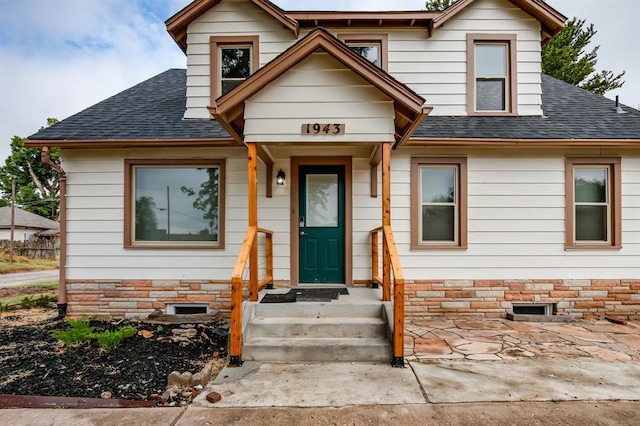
<point>302,233</point>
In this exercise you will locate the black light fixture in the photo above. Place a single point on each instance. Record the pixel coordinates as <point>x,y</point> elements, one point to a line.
<point>280,178</point>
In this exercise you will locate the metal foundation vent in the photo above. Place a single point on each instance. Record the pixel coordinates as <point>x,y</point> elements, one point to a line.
<point>534,308</point>
<point>187,309</point>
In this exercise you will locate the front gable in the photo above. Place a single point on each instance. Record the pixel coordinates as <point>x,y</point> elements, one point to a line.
<point>229,110</point>
<point>319,89</point>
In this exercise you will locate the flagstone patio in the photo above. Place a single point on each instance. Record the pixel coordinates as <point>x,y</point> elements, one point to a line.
<point>500,339</point>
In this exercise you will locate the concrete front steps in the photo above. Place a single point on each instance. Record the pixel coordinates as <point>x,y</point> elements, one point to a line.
<point>317,332</point>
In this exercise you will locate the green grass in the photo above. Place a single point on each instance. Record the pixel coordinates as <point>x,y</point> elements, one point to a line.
<point>24,264</point>
<point>32,295</point>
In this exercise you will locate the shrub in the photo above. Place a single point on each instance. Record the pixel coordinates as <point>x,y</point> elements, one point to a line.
<point>79,332</point>
<point>111,339</point>
<point>27,302</point>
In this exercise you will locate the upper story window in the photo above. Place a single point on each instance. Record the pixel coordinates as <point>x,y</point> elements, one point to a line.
<point>491,74</point>
<point>174,203</point>
<point>593,212</point>
<point>235,66</point>
<point>438,202</point>
<point>373,47</point>
<point>233,59</point>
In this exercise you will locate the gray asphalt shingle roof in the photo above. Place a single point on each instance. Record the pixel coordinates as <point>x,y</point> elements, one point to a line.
<point>25,219</point>
<point>154,109</point>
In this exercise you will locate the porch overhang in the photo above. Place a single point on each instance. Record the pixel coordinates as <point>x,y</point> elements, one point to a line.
<point>409,108</point>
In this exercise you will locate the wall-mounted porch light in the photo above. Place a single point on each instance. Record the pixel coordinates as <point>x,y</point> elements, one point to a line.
<point>280,178</point>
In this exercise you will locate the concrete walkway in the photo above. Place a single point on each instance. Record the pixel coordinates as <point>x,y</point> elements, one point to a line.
<point>20,278</point>
<point>458,372</point>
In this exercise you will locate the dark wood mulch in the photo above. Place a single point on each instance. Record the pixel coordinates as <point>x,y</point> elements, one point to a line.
<point>32,362</point>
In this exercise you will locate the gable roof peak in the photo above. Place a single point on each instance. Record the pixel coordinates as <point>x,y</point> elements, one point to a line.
<point>550,19</point>
<point>178,23</point>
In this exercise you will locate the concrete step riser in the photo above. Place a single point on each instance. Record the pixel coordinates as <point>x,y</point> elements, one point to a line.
<point>318,353</point>
<point>317,310</point>
<point>360,330</point>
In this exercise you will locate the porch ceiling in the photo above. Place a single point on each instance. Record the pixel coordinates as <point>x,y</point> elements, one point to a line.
<point>409,109</point>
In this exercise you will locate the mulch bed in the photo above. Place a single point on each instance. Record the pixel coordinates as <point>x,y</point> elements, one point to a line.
<point>32,362</point>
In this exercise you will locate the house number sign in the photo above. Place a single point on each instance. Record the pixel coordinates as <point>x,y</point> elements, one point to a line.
<point>323,129</point>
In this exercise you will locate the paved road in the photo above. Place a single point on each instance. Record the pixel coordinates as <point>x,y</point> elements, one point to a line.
<point>12,280</point>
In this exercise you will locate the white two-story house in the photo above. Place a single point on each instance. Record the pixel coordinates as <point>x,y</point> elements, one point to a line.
<point>420,151</point>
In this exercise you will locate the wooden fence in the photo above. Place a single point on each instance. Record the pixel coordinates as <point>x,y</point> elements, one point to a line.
<point>33,249</point>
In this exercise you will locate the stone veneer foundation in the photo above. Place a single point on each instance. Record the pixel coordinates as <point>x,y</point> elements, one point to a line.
<point>423,298</point>
<point>494,298</point>
<point>139,298</point>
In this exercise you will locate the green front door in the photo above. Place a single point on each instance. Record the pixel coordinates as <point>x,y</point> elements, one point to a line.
<point>322,224</point>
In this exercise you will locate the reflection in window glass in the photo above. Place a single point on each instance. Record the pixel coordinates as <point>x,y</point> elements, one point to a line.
<point>491,76</point>
<point>322,200</point>
<point>235,63</point>
<point>176,204</point>
<point>369,51</point>
<point>491,60</point>
<point>438,199</point>
<point>591,203</point>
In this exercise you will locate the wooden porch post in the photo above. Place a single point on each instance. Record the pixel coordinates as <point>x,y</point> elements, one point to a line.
<point>253,219</point>
<point>386,220</point>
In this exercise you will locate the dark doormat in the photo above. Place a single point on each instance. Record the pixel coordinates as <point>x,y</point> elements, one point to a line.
<point>306,295</point>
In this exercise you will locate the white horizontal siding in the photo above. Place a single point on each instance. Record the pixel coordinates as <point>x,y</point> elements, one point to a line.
<point>515,218</point>
<point>434,67</point>
<point>319,90</point>
<point>516,227</point>
<point>95,226</point>
<point>229,18</point>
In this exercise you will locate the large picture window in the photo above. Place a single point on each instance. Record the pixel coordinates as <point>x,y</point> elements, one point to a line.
<point>233,60</point>
<point>491,74</point>
<point>593,207</point>
<point>174,203</point>
<point>438,202</point>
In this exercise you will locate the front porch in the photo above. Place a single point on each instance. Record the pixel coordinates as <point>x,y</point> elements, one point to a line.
<point>385,271</point>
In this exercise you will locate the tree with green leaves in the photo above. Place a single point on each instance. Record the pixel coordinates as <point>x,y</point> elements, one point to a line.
<point>37,185</point>
<point>437,5</point>
<point>565,57</point>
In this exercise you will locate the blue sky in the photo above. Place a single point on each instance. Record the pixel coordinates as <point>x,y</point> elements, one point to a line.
<point>58,57</point>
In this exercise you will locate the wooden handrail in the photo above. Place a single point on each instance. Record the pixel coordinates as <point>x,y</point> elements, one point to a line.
<point>391,253</point>
<point>235,331</point>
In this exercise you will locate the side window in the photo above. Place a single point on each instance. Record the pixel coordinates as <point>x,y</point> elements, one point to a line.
<point>233,59</point>
<point>438,202</point>
<point>593,210</point>
<point>373,47</point>
<point>491,74</point>
<point>174,203</point>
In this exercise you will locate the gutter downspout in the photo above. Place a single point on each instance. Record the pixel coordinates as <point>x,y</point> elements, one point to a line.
<point>62,280</point>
